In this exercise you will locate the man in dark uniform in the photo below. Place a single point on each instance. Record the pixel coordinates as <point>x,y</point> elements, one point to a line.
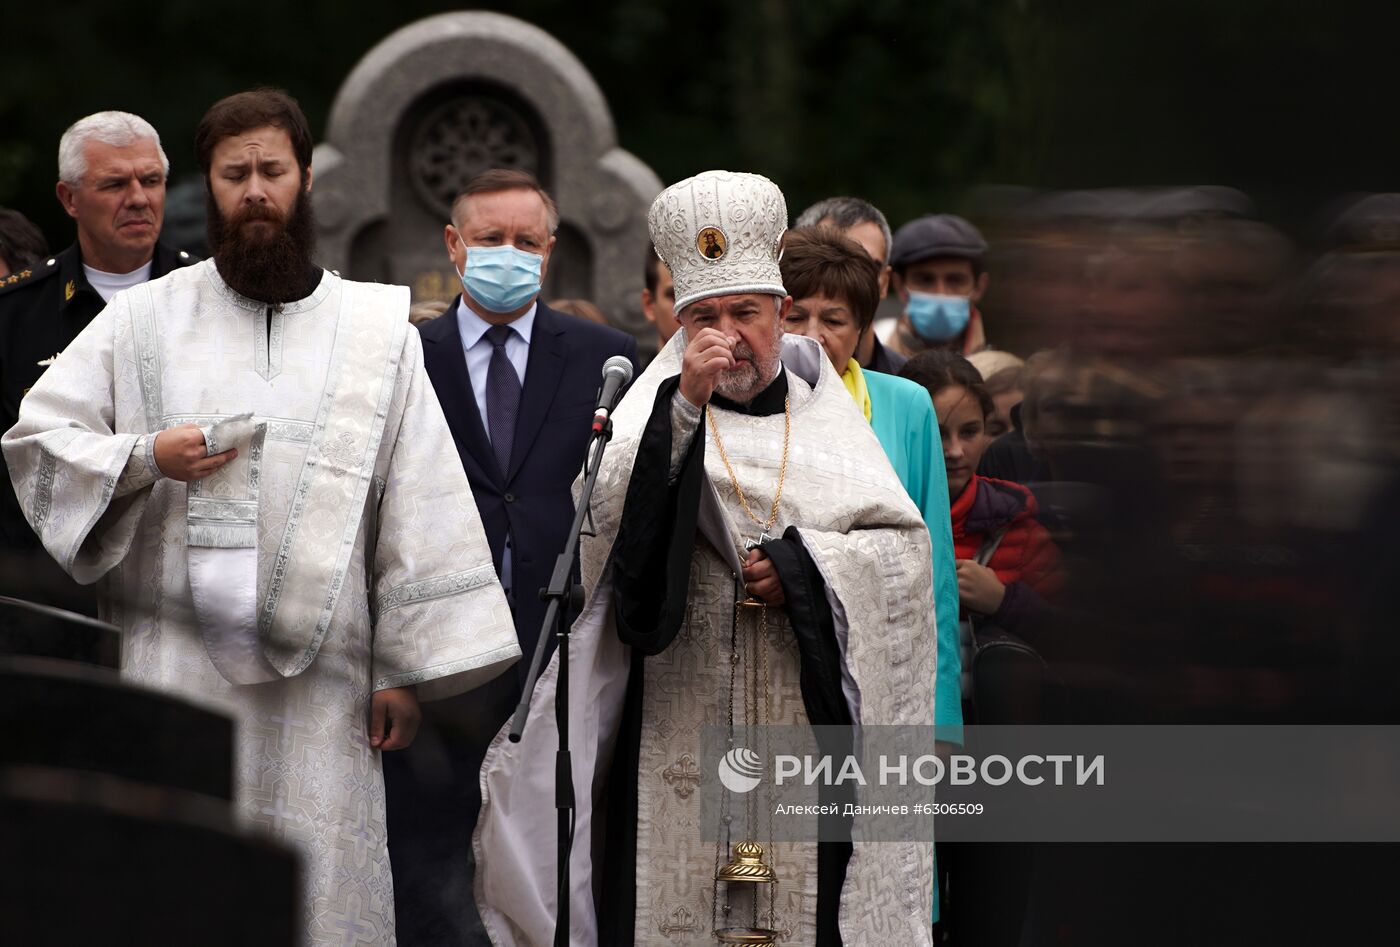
<point>112,174</point>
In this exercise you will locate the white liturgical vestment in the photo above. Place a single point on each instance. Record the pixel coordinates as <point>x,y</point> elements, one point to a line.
<point>873,552</point>
<point>341,552</point>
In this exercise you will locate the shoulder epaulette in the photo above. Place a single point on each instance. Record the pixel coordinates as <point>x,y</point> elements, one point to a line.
<point>30,274</point>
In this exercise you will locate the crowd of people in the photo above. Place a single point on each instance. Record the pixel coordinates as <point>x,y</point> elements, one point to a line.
<point>1138,438</point>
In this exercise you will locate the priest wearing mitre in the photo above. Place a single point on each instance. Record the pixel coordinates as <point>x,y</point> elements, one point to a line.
<point>746,519</point>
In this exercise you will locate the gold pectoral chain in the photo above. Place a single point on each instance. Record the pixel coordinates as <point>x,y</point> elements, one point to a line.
<point>734,480</point>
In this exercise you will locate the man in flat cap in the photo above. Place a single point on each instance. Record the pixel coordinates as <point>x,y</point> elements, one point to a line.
<point>755,560</point>
<point>938,272</point>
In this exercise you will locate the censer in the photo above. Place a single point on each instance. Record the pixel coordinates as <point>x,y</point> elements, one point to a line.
<point>747,867</point>
<point>747,873</point>
<point>743,879</point>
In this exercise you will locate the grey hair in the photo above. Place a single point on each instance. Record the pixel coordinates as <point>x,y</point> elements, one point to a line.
<point>118,129</point>
<point>845,213</point>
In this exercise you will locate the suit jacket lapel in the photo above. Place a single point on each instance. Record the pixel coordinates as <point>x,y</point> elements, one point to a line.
<point>448,364</point>
<point>542,373</point>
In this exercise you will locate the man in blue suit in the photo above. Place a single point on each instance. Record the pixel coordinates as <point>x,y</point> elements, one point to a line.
<point>518,384</point>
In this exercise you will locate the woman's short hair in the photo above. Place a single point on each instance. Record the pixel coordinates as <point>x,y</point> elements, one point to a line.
<point>820,261</point>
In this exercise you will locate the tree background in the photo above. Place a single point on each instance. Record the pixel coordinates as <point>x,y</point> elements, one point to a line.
<point>910,103</point>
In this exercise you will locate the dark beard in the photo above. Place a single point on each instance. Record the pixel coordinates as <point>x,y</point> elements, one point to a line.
<point>273,269</point>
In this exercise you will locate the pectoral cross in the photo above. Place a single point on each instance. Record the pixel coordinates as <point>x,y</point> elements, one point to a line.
<point>751,544</point>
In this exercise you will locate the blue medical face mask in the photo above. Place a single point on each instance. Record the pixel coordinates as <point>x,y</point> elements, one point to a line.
<point>501,278</point>
<point>937,318</point>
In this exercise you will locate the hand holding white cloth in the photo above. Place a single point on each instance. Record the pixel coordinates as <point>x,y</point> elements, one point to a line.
<point>182,453</point>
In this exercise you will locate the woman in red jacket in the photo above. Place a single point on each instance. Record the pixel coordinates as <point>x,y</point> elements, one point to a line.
<point>1010,591</point>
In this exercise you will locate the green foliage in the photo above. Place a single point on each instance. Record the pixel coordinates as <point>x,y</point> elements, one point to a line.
<point>900,102</point>
<point>906,102</point>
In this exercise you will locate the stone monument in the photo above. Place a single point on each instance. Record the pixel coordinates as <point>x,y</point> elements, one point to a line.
<point>447,97</point>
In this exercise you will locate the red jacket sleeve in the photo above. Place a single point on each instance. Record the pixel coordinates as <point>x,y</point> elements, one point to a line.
<point>1041,567</point>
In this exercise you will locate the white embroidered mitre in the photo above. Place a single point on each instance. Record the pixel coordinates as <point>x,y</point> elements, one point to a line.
<point>720,233</point>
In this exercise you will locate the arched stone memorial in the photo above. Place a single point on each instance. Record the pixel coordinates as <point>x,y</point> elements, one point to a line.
<point>447,97</point>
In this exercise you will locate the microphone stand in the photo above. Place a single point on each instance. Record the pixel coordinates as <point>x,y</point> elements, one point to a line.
<point>565,597</point>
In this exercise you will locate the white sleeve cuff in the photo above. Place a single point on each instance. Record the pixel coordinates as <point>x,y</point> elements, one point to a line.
<point>685,420</point>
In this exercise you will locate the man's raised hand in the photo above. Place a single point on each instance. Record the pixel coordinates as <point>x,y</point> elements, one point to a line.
<point>708,354</point>
<point>181,454</point>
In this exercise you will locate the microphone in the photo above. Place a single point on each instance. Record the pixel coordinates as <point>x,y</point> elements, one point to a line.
<point>617,372</point>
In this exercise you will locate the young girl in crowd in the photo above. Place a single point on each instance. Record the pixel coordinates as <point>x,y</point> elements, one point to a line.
<point>1023,570</point>
<point>993,520</point>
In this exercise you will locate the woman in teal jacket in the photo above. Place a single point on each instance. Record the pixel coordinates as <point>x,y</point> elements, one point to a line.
<point>834,285</point>
<point>903,418</point>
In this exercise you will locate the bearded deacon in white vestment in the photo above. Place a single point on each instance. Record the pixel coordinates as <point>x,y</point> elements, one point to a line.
<point>739,467</point>
<point>248,457</point>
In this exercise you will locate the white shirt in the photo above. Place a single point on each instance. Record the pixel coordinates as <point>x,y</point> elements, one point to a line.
<point>109,284</point>
<point>477,348</point>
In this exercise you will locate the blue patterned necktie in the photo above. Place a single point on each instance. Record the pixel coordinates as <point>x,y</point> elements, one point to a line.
<point>502,396</point>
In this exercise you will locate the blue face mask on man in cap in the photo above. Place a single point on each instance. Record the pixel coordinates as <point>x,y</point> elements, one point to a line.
<point>937,318</point>
<point>501,278</point>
